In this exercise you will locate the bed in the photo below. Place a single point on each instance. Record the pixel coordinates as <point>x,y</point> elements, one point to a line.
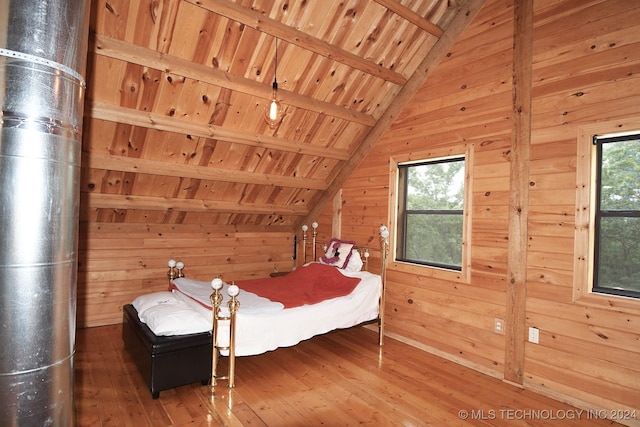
<point>258,316</point>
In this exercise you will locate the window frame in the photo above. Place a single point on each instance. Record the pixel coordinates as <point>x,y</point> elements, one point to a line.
<point>584,235</point>
<point>403,212</point>
<point>600,213</point>
<point>460,151</point>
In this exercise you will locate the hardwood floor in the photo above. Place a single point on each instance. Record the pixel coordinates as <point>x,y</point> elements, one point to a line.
<point>338,379</point>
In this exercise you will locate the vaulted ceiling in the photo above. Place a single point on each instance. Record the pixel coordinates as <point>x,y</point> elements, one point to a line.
<point>174,128</point>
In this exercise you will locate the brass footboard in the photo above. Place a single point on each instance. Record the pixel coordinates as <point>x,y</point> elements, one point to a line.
<point>384,251</point>
<point>234,305</point>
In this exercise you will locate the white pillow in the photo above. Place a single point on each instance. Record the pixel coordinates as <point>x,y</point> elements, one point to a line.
<point>164,314</point>
<point>355,262</point>
<point>179,319</point>
<point>146,301</point>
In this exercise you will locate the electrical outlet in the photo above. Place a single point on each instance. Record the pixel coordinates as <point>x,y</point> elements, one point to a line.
<point>498,326</point>
<point>534,335</point>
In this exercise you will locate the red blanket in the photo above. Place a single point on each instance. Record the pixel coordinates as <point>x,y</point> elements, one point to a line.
<point>306,285</point>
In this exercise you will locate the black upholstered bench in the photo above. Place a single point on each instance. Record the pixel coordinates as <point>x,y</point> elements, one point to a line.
<point>166,361</point>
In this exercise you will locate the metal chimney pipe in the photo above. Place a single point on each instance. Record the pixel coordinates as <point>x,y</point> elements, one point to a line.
<point>43,51</point>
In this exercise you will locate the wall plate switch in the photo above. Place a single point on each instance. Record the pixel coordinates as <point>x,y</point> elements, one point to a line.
<point>534,335</point>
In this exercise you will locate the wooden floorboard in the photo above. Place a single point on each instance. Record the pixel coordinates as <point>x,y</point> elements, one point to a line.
<point>339,379</point>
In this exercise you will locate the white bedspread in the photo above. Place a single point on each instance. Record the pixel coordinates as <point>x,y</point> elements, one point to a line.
<point>263,328</point>
<point>250,302</point>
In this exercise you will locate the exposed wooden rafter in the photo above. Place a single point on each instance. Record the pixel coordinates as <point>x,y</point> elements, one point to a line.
<point>130,116</point>
<point>412,17</point>
<point>119,201</point>
<point>277,29</point>
<point>157,167</point>
<point>123,51</point>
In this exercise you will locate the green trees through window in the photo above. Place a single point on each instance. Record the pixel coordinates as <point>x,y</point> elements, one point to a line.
<point>430,213</point>
<point>617,257</point>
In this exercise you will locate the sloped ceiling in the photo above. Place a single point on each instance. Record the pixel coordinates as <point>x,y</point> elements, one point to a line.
<point>174,126</point>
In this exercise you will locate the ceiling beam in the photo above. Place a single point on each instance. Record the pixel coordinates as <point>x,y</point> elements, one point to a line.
<point>465,14</point>
<point>209,173</point>
<point>131,116</point>
<point>149,203</point>
<point>275,28</point>
<point>411,16</point>
<point>123,51</point>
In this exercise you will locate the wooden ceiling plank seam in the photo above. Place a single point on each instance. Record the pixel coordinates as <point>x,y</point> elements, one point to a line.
<point>184,103</point>
<point>151,86</point>
<point>166,26</point>
<point>102,111</point>
<point>118,202</point>
<point>155,186</point>
<point>206,152</point>
<point>301,39</point>
<point>114,19</point>
<point>352,26</point>
<point>221,109</point>
<point>394,44</point>
<point>145,23</point>
<point>231,42</point>
<point>371,45</point>
<point>250,159</point>
<point>260,60</point>
<point>167,97</point>
<point>136,142</point>
<point>208,106</point>
<point>326,29</point>
<point>413,48</point>
<point>464,14</point>
<point>205,40</point>
<point>157,167</point>
<point>191,188</point>
<point>123,51</point>
<point>130,86</point>
<point>190,28</point>
<point>103,75</point>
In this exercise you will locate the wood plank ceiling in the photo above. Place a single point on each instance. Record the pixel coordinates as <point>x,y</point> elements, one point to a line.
<point>174,126</point>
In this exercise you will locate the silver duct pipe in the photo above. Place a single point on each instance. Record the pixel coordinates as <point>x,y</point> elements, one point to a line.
<point>43,51</point>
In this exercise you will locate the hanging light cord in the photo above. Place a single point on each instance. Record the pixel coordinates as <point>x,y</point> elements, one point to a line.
<point>275,69</point>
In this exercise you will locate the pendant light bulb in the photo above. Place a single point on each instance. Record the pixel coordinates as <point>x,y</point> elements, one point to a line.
<point>273,114</point>
<point>274,106</point>
<point>273,110</point>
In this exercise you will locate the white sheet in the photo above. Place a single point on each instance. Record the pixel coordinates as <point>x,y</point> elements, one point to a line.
<point>250,302</point>
<point>259,333</point>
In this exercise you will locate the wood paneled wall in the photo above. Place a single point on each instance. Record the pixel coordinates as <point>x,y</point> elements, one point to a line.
<point>586,64</point>
<point>118,262</point>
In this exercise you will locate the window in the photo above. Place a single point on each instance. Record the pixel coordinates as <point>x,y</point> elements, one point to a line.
<point>430,217</point>
<point>617,215</point>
